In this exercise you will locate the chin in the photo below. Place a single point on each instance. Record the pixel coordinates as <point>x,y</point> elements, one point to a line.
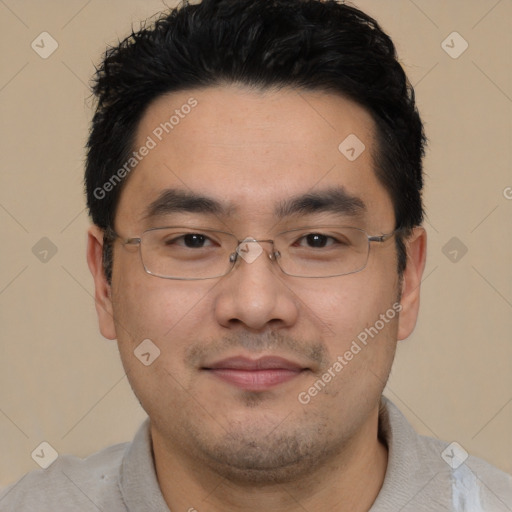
<point>259,455</point>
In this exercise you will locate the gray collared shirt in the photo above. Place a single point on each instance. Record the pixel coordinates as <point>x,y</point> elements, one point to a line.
<point>423,474</point>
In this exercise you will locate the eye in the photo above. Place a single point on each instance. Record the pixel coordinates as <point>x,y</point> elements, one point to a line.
<point>190,241</point>
<point>316,241</point>
<point>195,240</point>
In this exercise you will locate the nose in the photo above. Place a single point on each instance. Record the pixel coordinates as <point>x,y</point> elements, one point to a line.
<point>254,294</point>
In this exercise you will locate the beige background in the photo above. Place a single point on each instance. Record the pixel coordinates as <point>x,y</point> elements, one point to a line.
<point>61,382</point>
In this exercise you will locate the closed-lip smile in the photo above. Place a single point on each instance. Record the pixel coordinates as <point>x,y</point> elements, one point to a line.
<point>255,374</point>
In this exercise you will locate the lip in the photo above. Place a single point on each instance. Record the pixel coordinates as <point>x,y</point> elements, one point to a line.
<point>255,374</point>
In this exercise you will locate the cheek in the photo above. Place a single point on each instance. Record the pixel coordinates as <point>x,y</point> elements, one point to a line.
<point>347,305</point>
<point>169,313</point>
<point>361,336</point>
<point>150,305</point>
<point>361,346</point>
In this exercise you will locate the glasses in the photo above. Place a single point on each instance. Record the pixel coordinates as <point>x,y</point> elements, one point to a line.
<point>188,253</point>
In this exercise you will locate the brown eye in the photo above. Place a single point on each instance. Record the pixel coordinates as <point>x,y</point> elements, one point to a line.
<point>315,241</point>
<point>189,241</point>
<point>194,241</point>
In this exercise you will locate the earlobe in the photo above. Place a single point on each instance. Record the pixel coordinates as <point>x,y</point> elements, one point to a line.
<point>102,289</point>
<point>416,246</point>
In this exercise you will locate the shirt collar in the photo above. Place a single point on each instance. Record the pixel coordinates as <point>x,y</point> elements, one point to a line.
<point>406,472</point>
<point>138,482</point>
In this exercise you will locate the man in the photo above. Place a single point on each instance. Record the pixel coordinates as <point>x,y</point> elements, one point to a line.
<point>254,178</point>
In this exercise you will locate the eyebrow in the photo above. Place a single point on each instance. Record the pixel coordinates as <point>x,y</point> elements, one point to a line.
<point>332,200</point>
<point>181,201</point>
<point>335,200</point>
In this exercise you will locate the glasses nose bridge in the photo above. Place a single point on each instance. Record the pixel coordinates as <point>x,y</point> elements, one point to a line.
<point>266,241</point>
<point>250,249</point>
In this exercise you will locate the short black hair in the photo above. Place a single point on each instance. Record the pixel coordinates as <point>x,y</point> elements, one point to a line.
<point>320,45</point>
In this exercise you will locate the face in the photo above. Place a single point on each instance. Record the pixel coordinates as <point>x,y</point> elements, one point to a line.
<point>260,375</point>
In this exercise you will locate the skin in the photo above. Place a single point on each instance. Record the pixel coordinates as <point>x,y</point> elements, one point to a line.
<point>218,447</point>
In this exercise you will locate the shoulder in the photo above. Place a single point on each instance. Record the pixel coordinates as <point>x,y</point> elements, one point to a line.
<point>471,479</point>
<point>80,484</point>
<point>425,473</point>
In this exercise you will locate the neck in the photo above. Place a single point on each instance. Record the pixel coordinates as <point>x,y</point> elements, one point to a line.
<point>350,481</point>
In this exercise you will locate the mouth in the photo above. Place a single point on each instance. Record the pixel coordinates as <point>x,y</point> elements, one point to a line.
<point>255,374</point>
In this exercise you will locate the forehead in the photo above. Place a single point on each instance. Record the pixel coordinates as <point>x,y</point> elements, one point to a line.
<point>250,150</point>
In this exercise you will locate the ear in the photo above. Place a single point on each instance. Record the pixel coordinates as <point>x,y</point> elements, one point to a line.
<point>102,294</point>
<point>416,247</point>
